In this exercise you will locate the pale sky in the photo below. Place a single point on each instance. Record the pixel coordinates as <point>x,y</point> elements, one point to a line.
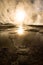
<point>33,9</point>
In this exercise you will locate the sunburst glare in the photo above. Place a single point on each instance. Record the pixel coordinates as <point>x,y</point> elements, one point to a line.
<point>20,15</point>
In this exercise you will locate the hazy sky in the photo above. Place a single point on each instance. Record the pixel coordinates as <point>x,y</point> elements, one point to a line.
<point>33,9</point>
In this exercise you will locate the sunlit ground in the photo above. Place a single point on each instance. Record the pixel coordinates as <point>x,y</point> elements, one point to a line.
<point>20,31</point>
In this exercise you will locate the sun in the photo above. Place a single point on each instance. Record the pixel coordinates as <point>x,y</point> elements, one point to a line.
<point>20,15</point>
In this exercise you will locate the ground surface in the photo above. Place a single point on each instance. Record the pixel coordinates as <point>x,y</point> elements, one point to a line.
<point>21,50</point>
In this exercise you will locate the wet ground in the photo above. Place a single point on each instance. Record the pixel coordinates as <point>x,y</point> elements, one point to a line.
<point>21,50</point>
